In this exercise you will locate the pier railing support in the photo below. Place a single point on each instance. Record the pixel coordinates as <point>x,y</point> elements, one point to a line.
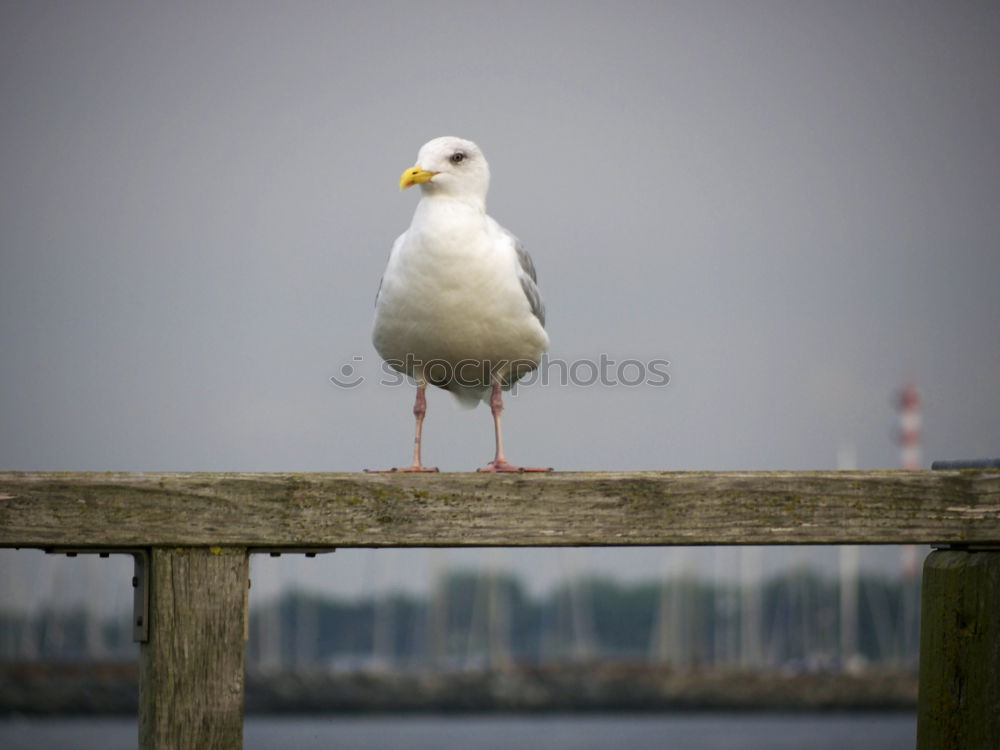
<point>959,703</point>
<point>191,668</point>
<point>191,674</point>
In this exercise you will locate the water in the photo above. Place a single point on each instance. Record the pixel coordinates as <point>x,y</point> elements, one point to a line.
<point>715,731</point>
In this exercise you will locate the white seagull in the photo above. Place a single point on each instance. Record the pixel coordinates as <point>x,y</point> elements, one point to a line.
<point>458,306</point>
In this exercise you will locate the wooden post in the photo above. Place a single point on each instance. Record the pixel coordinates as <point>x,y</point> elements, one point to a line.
<point>191,671</point>
<point>959,703</point>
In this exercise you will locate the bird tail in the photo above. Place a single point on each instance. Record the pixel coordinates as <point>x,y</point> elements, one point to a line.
<point>467,396</point>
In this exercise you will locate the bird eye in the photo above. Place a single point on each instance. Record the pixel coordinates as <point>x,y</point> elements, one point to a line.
<point>457,157</point>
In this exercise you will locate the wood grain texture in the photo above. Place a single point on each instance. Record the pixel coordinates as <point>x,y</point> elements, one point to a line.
<point>191,670</point>
<point>959,702</point>
<point>559,509</point>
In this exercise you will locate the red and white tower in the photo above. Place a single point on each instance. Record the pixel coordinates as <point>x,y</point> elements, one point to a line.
<point>910,456</point>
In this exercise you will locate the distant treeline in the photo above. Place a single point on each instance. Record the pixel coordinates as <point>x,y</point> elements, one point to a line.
<point>479,619</point>
<point>474,620</point>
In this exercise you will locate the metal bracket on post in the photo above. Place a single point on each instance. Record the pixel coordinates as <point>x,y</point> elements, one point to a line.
<point>140,581</point>
<point>275,552</point>
<point>140,596</point>
<point>279,551</point>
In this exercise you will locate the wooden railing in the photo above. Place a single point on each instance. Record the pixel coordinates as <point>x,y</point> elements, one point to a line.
<point>191,535</point>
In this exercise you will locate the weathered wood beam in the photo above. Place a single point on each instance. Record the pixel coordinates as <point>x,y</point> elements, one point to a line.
<point>460,510</point>
<point>191,669</point>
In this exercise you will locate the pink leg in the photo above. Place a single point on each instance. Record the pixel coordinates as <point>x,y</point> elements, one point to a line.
<point>499,463</point>
<point>419,410</point>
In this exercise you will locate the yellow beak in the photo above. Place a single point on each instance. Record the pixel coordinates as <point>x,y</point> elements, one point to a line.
<point>414,176</point>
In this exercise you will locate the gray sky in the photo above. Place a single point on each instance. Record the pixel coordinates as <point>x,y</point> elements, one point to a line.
<point>794,203</point>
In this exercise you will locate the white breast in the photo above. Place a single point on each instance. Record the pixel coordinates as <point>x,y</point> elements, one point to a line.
<point>451,292</point>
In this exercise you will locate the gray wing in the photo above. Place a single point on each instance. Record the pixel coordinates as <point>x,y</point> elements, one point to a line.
<point>528,278</point>
<point>397,243</point>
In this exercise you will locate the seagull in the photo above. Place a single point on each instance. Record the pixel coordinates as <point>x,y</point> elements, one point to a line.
<point>458,306</point>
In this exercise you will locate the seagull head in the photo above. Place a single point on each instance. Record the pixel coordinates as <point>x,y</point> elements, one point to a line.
<point>450,166</point>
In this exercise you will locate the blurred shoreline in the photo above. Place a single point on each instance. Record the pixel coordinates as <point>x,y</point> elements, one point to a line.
<point>112,688</point>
